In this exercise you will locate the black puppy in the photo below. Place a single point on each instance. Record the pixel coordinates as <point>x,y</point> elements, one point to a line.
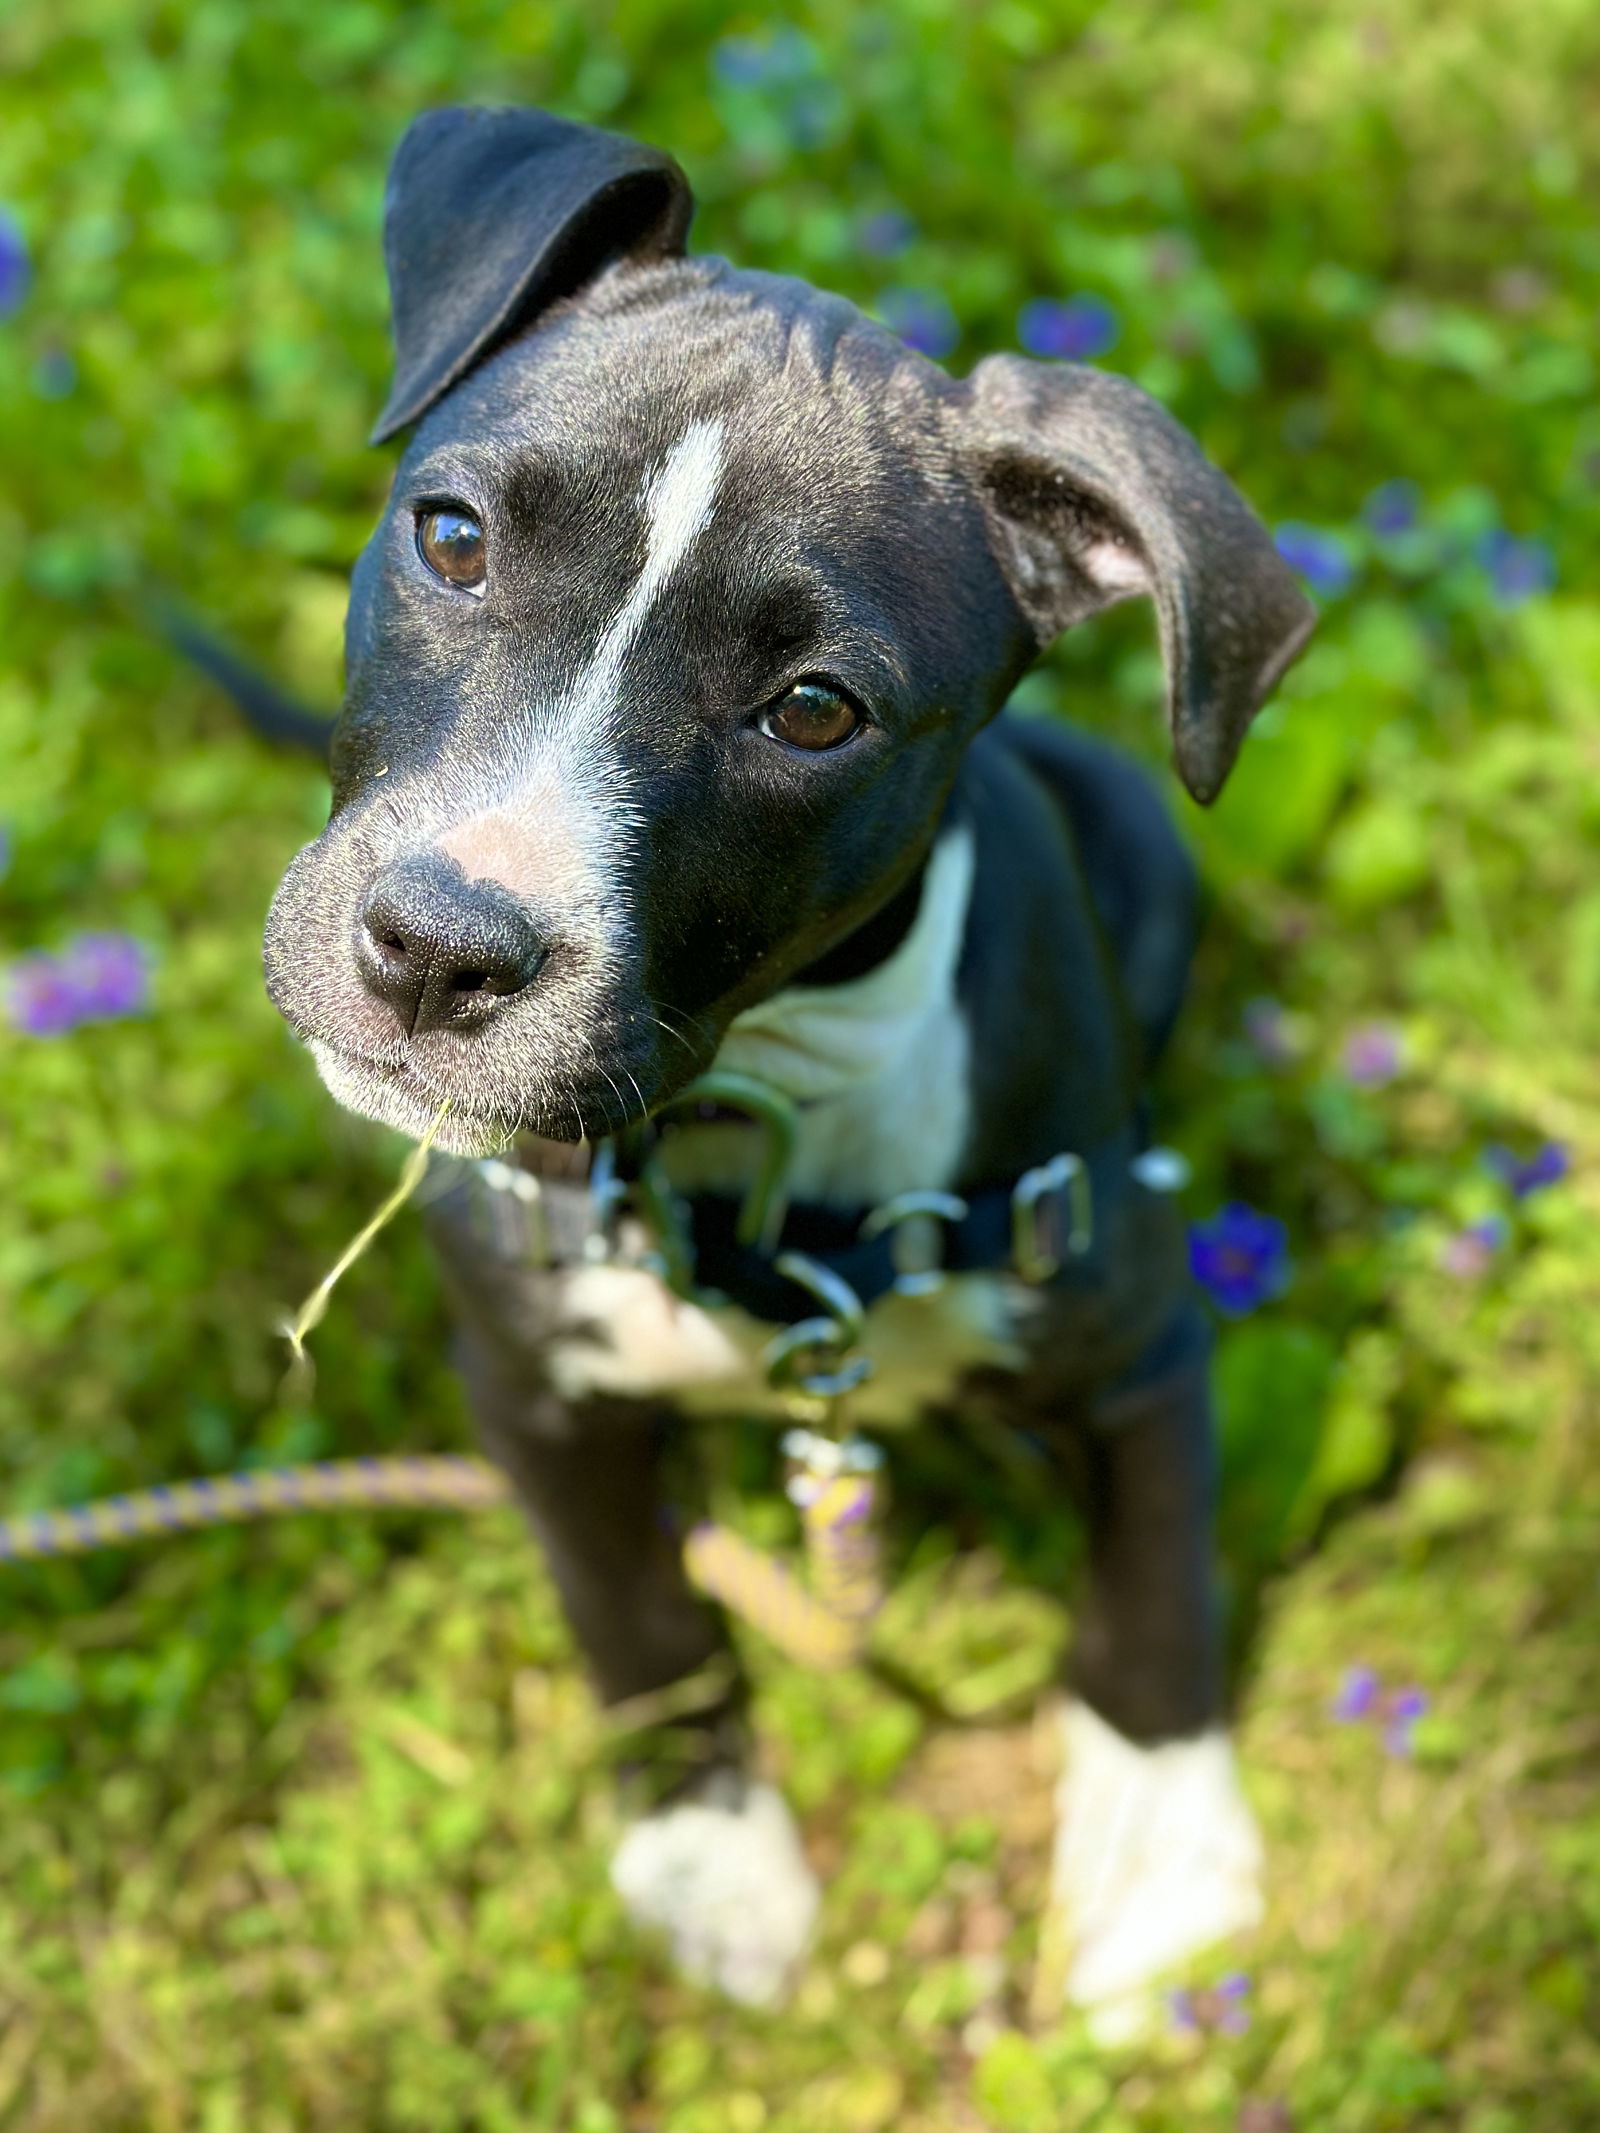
<point>670,738</point>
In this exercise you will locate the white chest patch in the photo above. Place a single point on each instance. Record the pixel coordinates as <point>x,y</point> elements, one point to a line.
<point>878,1069</point>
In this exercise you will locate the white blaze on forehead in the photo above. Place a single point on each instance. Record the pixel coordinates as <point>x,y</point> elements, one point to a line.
<point>550,828</point>
<point>678,501</point>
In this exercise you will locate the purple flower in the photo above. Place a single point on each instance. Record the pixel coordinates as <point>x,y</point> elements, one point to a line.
<point>40,998</point>
<point>922,318</point>
<point>886,233</point>
<point>1517,569</point>
<point>1270,1031</point>
<point>110,974</point>
<point>1357,1697</point>
<point>1202,2010</point>
<point>1400,1713</point>
<point>15,271</point>
<point>1372,1055</point>
<point>1074,332</point>
<point>1321,558</point>
<point>98,978</point>
<point>1393,507</point>
<point>1362,1697</point>
<point>1240,1258</point>
<point>1548,1167</point>
<point>1468,1253</point>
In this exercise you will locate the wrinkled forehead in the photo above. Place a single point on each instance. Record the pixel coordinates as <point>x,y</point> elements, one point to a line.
<point>797,403</point>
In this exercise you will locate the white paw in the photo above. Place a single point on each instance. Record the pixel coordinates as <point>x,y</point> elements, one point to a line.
<point>727,1879</point>
<point>1156,1857</point>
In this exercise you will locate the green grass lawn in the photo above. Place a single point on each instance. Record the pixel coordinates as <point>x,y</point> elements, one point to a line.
<point>305,1826</point>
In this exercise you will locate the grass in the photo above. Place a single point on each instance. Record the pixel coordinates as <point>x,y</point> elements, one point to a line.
<point>305,1826</point>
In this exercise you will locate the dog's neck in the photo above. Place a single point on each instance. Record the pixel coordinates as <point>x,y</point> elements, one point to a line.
<point>877,1064</point>
<point>816,1041</point>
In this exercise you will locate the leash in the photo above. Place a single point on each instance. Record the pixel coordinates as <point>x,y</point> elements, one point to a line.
<point>822,1620</point>
<point>818,1630</point>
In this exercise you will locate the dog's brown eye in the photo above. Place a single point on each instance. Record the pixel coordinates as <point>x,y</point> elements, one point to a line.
<point>451,543</point>
<point>813,715</point>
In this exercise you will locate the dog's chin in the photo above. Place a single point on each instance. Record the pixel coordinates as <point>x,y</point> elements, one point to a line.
<point>397,1098</point>
<point>400,1097</point>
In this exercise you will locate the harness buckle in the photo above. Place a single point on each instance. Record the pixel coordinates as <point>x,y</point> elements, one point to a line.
<point>1052,1217</point>
<point>917,1243</point>
<point>812,1361</point>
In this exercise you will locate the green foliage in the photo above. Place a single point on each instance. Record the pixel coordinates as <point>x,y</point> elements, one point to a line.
<point>306,1825</point>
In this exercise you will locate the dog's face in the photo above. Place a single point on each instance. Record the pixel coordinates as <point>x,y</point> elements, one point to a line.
<point>672,634</point>
<point>684,606</point>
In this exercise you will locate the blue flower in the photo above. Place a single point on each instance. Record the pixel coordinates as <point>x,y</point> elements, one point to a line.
<point>1073,332</point>
<point>1393,507</point>
<point>1548,1167</point>
<point>1517,569</point>
<point>922,318</point>
<point>885,233</point>
<point>1240,1258</point>
<point>15,271</point>
<point>1321,557</point>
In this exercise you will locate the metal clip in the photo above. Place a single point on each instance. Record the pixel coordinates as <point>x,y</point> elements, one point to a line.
<point>1035,1258</point>
<point>824,1342</point>
<point>924,1210</point>
<point>835,1484</point>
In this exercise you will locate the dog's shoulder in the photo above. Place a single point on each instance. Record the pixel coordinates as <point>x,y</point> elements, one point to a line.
<point>1139,875</point>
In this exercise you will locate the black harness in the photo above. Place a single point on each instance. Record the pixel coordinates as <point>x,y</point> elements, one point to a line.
<point>566,1208</point>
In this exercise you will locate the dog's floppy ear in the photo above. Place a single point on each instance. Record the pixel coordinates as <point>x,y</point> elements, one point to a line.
<point>1093,493</point>
<point>492,214</point>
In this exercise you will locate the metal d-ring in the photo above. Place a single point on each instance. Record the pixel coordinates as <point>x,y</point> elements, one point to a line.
<point>761,1216</point>
<point>1034,1260</point>
<point>829,1339</point>
<point>921,1207</point>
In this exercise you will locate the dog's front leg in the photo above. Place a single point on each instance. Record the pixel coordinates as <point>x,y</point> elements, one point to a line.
<point>1156,1853</point>
<point>714,1858</point>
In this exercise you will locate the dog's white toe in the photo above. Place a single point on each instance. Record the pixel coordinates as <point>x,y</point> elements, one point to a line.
<point>1157,1856</point>
<point>727,1879</point>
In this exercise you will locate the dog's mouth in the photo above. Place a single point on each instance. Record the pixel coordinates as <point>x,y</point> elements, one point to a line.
<point>401,1095</point>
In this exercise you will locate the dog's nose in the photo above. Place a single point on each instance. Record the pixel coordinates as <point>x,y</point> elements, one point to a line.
<point>444,951</point>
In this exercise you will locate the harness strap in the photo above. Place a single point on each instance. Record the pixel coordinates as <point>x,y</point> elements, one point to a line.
<point>1047,1226</point>
<point>982,1240</point>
